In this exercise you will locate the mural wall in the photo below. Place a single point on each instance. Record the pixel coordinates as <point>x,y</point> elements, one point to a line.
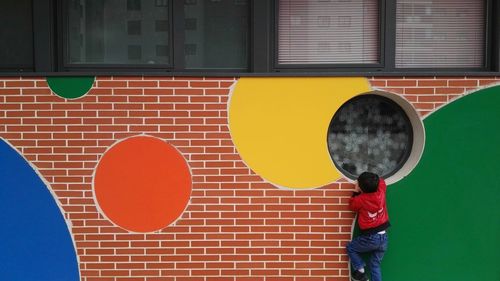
<point>162,178</point>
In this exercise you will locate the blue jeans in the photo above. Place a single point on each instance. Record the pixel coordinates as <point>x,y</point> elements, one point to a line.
<point>375,245</point>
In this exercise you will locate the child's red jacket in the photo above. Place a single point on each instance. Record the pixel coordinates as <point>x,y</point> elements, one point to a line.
<point>372,209</point>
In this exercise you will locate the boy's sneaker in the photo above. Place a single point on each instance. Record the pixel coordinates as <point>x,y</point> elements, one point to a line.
<point>358,276</point>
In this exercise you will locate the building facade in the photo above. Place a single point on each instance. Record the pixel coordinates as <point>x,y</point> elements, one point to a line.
<point>217,140</point>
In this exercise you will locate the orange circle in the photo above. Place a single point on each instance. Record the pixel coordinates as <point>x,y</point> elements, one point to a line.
<point>142,184</point>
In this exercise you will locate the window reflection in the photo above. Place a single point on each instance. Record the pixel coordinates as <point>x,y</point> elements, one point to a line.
<point>118,32</point>
<point>216,34</point>
<point>16,48</point>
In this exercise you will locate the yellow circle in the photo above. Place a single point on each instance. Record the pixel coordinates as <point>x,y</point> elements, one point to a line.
<point>279,126</point>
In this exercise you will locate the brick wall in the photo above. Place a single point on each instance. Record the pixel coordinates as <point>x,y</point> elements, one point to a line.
<point>236,226</point>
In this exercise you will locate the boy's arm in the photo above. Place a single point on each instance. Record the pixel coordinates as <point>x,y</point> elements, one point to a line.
<point>355,201</point>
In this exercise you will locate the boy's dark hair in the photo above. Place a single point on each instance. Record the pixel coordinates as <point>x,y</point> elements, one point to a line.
<point>368,182</point>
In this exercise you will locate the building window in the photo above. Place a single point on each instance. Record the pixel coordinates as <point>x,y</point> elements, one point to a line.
<point>370,133</point>
<point>440,34</point>
<point>328,32</point>
<point>123,34</point>
<point>16,47</point>
<point>216,34</point>
<point>100,31</point>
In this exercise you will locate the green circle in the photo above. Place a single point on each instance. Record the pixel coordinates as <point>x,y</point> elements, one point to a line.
<point>444,214</point>
<point>70,87</point>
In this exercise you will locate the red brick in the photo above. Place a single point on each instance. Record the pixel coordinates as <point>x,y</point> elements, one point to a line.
<point>128,92</point>
<point>143,128</point>
<point>401,83</point>
<point>226,84</point>
<point>21,128</point>
<point>20,99</point>
<point>10,106</point>
<point>213,106</point>
<point>11,135</point>
<point>66,106</point>
<point>51,98</point>
<point>61,121</point>
<point>188,92</point>
<point>152,265</point>
<point>411,98</point>
<point>82,143</point>
<point>96,106</point>
<point>5,92</point>
<point>111,84</point>
<point>158,106</point>
<point>378,83</point>
<point>143,84</point>
<point>36,106</point>
<point>111,99</point>
<point>134,113</point>
<point>484,82</point>
<point>204,113</point>
<point>52,113</point>
<point>131,265</point>
<point>188,121</point>
<point>217,92</point>
<point>47,128</point>
<point>395,90</point>
<point>36,150</point>
<point>164,113</point>
<point>75,128</point>
<point>432,83</point>
<point>424,105</point>
<point>463,83</point>
<point>450,90</point>
<point>129,251</point>
<point>100,91</point>
<point>419,91</point>
<point>42,84</point>
<point>112,128</point>
<point>19,84</point>
<point>114,273</point>
<point>204,84</point>
<point>434,98</point>
<point>94,273</point>
<point>189,106</point>
<point>38,92</point>
<point>144,99</point>
<point>82,113</point>
<point>174,84</point>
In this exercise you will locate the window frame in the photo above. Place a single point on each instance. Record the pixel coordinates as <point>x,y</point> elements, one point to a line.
<point>63,51</point>
<point>176,51</point>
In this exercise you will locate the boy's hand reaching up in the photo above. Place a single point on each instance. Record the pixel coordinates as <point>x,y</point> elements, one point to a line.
<point>356,187</point>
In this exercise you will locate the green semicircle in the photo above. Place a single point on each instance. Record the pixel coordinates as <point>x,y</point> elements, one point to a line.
<point>70,87</point>
<point>446,214</point>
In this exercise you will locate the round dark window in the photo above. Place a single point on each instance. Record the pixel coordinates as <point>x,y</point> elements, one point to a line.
<point>370,133</point>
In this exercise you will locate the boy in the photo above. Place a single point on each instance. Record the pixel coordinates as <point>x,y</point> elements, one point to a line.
<point>368,200</point>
